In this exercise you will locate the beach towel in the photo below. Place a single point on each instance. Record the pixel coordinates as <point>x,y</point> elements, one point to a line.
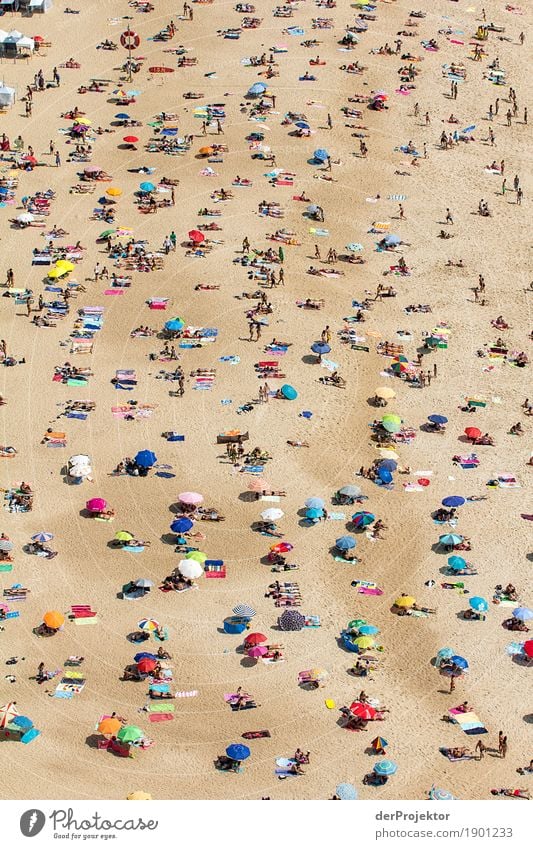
<point>337,517</point>
<point>186,694</point>
<point>446,753</point>
<point>366,587</point>
<point>160,717</point>
<point>255,735</point>
<point>272,498</point>
<point>469,722</point>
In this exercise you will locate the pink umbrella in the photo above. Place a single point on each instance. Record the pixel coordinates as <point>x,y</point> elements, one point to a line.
<point>95,505</point>
<point>258,485</point>
<point>190,498</point>
<point>257,651</point>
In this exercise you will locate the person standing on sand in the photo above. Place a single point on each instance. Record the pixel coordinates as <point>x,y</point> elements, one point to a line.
<point>480,749</point>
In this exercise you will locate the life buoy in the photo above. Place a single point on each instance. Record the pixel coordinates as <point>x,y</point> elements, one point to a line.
<point>130,39</point>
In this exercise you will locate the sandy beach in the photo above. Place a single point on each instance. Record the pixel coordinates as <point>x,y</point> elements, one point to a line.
<point>409,195</point>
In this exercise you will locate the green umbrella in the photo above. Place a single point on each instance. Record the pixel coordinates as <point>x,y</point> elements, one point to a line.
<point>106,233</point>
<point>130,734</point>
<point>199,556</point>
<point>356,623</point>
<point>123,536</point>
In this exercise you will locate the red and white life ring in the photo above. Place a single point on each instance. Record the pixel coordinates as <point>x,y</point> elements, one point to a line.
<point>130,40</point>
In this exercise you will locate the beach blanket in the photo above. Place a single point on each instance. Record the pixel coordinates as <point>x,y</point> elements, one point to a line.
<point>366,587</point>
<point>469,722</point>
<point>255,735</point>
<point>446,752</point>
<point>160,717</point>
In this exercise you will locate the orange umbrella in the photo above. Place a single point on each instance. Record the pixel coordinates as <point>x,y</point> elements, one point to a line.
<point>110,725</point>
<point>54,619</point>
<point>205,151</point>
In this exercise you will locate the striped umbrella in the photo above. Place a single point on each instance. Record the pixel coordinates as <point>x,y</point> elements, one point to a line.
<point>346,792</point>
<point>385,767</point>
<point>7,713</point>
<point>362,710</point>
<point>42,536</point>
<point>148,625</point>
<point>363,518</point>
<point>244,610</point>
<point>440,795</point>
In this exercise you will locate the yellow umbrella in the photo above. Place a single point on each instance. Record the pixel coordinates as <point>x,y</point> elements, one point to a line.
<point>405,601</point>
<point>54,273</point>
<point>318,674</point>
<point>85,121</point>
<point>114,192</point>
<point>138,794</point>
<point>64,263</point>
<point>389,454</point>
<point>364,642</point>
<point>385,392</point>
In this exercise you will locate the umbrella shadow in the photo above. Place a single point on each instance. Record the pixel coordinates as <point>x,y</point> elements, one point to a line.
<point>248,662</point>
<point>168,539</point>
<point>310,359</point>
<point>248,497</point>
<point>92,740</point>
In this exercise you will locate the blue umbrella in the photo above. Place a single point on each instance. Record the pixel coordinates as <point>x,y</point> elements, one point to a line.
<point>257,88</point>
<point>147,187</point>
<point>170,131</point>
<point>4,190</point>
<point>301,125</point>
<point>523,613</point>
<point>450,539</point>
<point>346,792</point>
<point>315,502</point>
<point>390,465</point>
<point>438,794</point>
<point>174,324</point>
<point>123,116</point>
<point>142,655</point>
<point>42,536</point>
<point>238,752</point>
<point>345,543</point>
<point>181,525</point>
<point>453,501</point>
<point>437,419</point>
<point>289,392</point>
<point>480,605</point>
<point>456,563</point>
<point>320,348</point>
<point>384,475</point>
<point>314,513</point>
<point>321,154</point>
<point>459,661</point>
<point>385,767</point>
<point>363,518</point>
<point>146,458</point>
<point>368,630</point>
<point>391,239</point>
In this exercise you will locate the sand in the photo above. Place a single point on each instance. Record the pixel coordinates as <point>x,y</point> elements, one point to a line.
<point>63,762</point>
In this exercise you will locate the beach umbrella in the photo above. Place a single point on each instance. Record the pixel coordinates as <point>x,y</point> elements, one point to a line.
<point>257,651</point>
<point>391,239</point>
<point>109,725</point>
<point>196,236</point>
<point>391,418</point>
<point>130,139</point>
<point>362,710</point>
<point>123,536</point>
<point>302,125</point>
<point>318,674</point>
<point>480,605</point>
<point>146,665</point>
<point>148,625</point>
<point>289,392</point>
<point>312,209</point>
<point>146,459</point>
<point>181,525</point>
<point>190,569</point>
<point>123,116</point>
<point>437,794</point>
<point>321,154</point>
<point>346,792</point>
<point>528,649</point>
<point>25,217</point>
<point>53,619</point>
<point>389,465</point>
<point>255,639</point>
<point>320,348</point>
<point>456,563</point>
<point>42,536</point>
<point>144,655</point>
<point>113,192</point>
<point>238,752</point>
<point>7,713</point>
<point>139,795</point>
<point>174,324</point>
<point>199,556</point>
<point>6,545</point>
<point>389,454</point>
<point>385,476</point>
<point>368,630</point>
<point>379,744</point>
<point>206,151</point>
<point>315,503</point>
<point>147,187</point>
<point>345,543</point>
<point>350,490</point>
<point>445,654</point>
<point>190,498</point>
<point>64,263</point>
<point>257,88</point>
<point>453,501</point>
<point>405,601</point>
<point>473,432</point>
<point>364,642</point>
<point>272,514</point>
<point>450,539</point>
<point>523,613</point>
<point>293,620</point>
<point>437,419</point>
<point>385,767</point>
<point>281,547</point>
<point>385,392</point>
<point>392,426</point>
<point>106,233</point>
<point>362,519</point>
<point>459,661</point>
<point>314,513</point>
<point>244,610</point>
<point>258,485</point>
<point>398,367</point>
<point>96,505</point>
<point>144,583</point>
<point>130,734</point>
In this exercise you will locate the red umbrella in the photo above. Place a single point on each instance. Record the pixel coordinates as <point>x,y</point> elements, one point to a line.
<point>196,236</point>
<point>38,39</point>
<point>473,432</point>
<point>130,139</point>
<point>362,710</point>
<point>528,648</point>
<point>281,547</point>
<point>255,639</point>
<point>146,664</point>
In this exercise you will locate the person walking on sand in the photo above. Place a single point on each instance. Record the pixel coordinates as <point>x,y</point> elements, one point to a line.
<point>480,749</point>
<point>401,211</point>
<point>317,253</point>
<point>58,159</point>
<point>449,217</point>
<point>502,745</point>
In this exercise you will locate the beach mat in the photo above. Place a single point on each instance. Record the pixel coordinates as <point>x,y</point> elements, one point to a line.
<point>161,717</point>
<point>469,722</point>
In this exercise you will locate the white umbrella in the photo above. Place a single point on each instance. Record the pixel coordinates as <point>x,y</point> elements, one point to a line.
<point>25,217</point>
<point>80,459</point>
<point>272,514</point>
<point>190,569</point>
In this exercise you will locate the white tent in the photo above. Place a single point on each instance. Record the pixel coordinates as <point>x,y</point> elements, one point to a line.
<point>3,35</point>
<point>40,5</point>
<point>7,95</point>
<point>26,43</point>
<point>12,38</point>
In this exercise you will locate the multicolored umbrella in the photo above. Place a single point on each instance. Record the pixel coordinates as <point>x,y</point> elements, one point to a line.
<point>148,625</point>
<point>42,536</point>
<point>7,713</point>
<point>437,794</point>
<point>362,710</point>
<point>362,519</point>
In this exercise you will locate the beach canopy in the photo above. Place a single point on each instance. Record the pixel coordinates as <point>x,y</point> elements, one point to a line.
<point>109,725</point>
<point>190,569</point>
<point>54,619</point>
<point>362,519</point>
<point>289,392</point>
<point>346,792</point>
<point>321,154</point>
<point>181,525</point>
<point>385,767</point>
<point>345,543</point>
<point>130,734</point>
<point>7,713</point>
<point>453,501</point>
<point>479,604</point>
<point>96,505</point>
<point>190,498</point>
<point>174,324</point>
<point>145,458</point>
<point>456,563</point>
<point>238,752</point>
